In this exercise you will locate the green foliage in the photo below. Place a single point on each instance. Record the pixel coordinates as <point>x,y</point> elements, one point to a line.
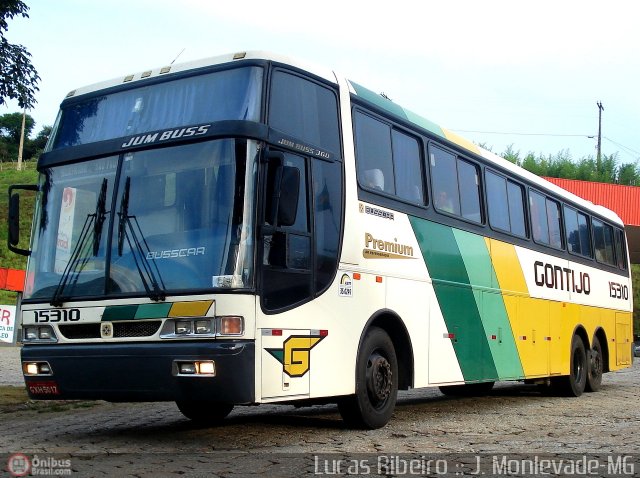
<point>18,77</point>
<point>562,165</point>
<point>7,258</point>
<point>10,130</point>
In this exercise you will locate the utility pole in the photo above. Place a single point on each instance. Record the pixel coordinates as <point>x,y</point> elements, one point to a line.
<point>599,153</point>
<point>24,115</point>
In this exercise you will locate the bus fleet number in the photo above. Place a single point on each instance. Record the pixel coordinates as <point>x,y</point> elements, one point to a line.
<point>57,315</point>
<point>618,291</point>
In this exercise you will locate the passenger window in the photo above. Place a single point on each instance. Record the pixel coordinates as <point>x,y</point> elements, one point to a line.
<point>515,192</point>
<point>577,232</point>
<point>505,203</point>
<point>305,110</point>
<point>497,202</point>
<point>621,250</point>
<point>374,154</point>
<point>469,191</point>
<point>445,181</point>
<point>603,242</point>
<point>407,167</point>
<point>555,228</point>
<point>539,222</point>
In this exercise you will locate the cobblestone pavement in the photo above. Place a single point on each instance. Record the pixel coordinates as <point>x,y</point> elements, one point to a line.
<point>154,439</point>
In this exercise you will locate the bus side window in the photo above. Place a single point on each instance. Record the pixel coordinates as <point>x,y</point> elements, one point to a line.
<point>621,251</point>
<point>374,154</point>
<point>407,167</point>
<point>305,110</point>
<point>539,224</point>
<point>603,240</point>
<point>445,181</point>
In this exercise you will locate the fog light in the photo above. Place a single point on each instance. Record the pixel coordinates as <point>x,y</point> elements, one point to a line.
<point>231,325</point>
<point>203,326</point>
<point>206,368</point>
<point>36,368</point>
<point>30,368</point>
<point>183,327</point>
<point>187,368</point>
<point>44,369</point>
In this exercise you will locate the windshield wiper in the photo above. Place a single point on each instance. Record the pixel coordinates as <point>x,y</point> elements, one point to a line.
<point>92,227</point>
<point>131,231</point>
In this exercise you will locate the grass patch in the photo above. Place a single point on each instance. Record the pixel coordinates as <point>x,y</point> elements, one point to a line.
<point>15,399</point>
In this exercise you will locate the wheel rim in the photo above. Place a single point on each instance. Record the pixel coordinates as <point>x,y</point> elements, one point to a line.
<point>596,363</point>
<point>578,366</point>
<point>379,379</point>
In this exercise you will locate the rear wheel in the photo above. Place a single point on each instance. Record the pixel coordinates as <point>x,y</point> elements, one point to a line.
<point>376,383</point>
<point>575,383</point>
<point>204,412</point>
<point>596,367</point>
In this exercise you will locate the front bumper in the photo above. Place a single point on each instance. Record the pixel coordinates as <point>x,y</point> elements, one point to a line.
<point>143,372</point>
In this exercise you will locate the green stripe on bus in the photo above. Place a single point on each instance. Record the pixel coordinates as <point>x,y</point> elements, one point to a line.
<point>457,300</point>
<point>495,320</point>
<point>153,311</point>
<point>119,312</point>
<point>390,106</point>
<point>136,311</point>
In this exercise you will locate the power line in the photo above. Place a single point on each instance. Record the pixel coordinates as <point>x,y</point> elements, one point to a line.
<point>629,150</point>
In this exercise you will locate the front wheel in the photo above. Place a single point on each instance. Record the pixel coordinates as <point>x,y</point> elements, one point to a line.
<point>376,383</point>
<point>204,412</point>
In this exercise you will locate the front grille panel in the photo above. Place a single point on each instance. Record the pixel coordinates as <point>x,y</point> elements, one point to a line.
<point>135,329</point>
<point>138,328</point>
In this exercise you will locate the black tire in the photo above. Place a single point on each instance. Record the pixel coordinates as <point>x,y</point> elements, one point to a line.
<point>467,390</point>
<point>575,383</point>
<point>204,412</point>
<point>596,367</point>
<point>376,383</point>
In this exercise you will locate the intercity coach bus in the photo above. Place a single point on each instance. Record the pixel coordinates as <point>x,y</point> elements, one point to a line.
<point>247,230</point>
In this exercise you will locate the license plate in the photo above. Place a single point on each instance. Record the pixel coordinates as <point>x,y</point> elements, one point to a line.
<point>43,388</point>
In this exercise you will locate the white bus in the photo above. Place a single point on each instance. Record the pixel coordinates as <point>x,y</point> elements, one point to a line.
<point>246,229</point>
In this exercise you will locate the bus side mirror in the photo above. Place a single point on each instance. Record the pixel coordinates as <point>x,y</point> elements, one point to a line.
<point>13,219</point>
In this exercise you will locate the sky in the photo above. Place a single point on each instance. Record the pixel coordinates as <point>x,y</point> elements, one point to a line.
<point>498,72</point>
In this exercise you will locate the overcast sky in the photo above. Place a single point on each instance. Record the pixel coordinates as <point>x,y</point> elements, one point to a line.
<point>478,67</point>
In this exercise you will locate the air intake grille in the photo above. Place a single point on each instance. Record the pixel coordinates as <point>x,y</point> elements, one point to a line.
<point>120,330</point>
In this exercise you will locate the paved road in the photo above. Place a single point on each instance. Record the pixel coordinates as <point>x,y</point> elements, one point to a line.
<point>155,440</point>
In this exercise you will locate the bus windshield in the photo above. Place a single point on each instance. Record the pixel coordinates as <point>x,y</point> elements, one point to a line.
<point>148,223</point>
<point>233,94</point>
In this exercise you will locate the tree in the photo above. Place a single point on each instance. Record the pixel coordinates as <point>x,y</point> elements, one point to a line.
<point>11,126</point>
<point>18,77</point>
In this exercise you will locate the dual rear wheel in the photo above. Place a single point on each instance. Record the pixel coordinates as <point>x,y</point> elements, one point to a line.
<point>585,370</point>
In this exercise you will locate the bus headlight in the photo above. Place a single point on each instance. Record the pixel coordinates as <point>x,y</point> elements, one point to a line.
<point>188,328</point>
<point>38,333</point>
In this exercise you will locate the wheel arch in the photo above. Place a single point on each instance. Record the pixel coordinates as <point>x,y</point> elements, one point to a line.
<point>392,324</point>
<point>581,332</point>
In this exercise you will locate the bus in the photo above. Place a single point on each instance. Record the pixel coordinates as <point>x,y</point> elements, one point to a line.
<point>249,229</point>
